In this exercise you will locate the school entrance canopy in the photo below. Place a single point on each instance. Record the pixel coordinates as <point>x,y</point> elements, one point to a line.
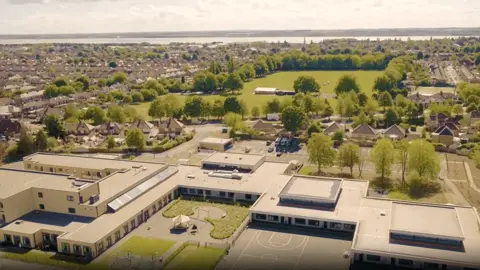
<point>181,221</point>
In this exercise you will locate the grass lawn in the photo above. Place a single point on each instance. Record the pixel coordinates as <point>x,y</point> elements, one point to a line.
<point>284,81</point>
<point>223,227</point>
<point>193,257</point>
<point>138,246</point>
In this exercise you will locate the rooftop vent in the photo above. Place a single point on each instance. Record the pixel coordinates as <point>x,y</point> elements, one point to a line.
<point>36,212</point>
<point>136,166</point>
<point>226,157</point>
<point>383,214</point>
<point>19,222</point>
<point>191,176</point>
<point>240,158</point>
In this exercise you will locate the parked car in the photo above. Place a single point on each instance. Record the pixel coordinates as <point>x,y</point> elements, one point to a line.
<point>279,154</point>
<point>268,143</point>
<point>270,150</point>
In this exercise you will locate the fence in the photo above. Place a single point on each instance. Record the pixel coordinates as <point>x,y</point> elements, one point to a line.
<point>173,254</point>
<point>239,231</point>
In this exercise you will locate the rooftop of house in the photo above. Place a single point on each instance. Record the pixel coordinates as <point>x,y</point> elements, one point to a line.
<point>40,220</point>
<point>425,220</point>
<point>364,130</point>
<point>14,181</point>
<point>312,188</point>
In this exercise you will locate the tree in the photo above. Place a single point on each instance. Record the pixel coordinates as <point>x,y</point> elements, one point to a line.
<point>457,109</point>
<point>261,67</point>
<point>137,97</point>
<point>71,112</point>
<point>233,82</point>
<point>156,109</point>
<point>41,141</point>
<point>193,106</point>
<point>116,114</point>
<point>347,83</point>
<point>349,156</point>
<point>385,100</point>
<point>131,114</point>
<point>338,136</point>
<point>128,99</point>
<point>306,84</point>
<point>293,118</point>
<point>205,82</point>
<point>328,111</point>
<point>273,106</point>
<point>85,81</point>
<point>148,94</point>
<point>231,65</point>
<point>206,109</point>
<point>51,91</point>
<point>320,151</point>
<point>382,155</point>
<point>118,77</point>
<point>401,154</point>
<point>255,113</point>
<point>25,144</point>
<point>361,119</point>
<point>172,105</point>
<point>233,120</point>
<point>135,138</point>
<point>390,117</point>
<point>96,114</point>
<point>156,86</point>
<point>110,142</point>
<point>423,159</point>
<point>59,82</point>
<point>54,126</point>
<point>221,78</point>
<point>371,107</point>
<point>232,104</point>
<point>472,107</point>
<point>314,127</point>
<point>217,108</point>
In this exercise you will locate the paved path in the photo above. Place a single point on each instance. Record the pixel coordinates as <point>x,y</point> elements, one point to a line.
<point>13,265</point>
<point>470,177</point>
<point>457,197</point>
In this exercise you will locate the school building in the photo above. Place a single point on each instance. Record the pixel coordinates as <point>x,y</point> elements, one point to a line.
<point>83,205</point>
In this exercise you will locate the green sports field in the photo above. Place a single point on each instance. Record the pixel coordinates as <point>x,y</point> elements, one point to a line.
<point>284,81</point>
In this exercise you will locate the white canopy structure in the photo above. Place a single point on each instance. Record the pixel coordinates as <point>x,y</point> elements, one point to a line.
<point>181,221</point>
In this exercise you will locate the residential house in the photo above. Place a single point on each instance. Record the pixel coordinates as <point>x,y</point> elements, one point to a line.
<point>80,128</point>
<point>10,111</point>
<point>364,132</point>
<point>437,120</point>
<point>454,128</point>
<point>170,127</point>
<point>9,127</point>
<point>148,129</point>
<point>110,128</point>
<point>443,135</point>
<point>426,100</point>
<point>334,127</point>
<point>394,132</point>
<point>265,127</point>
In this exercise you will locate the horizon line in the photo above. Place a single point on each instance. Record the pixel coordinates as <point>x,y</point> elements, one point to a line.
<point>243,31</point>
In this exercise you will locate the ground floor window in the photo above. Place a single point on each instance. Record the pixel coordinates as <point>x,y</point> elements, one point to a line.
<point>300,221</point>
<point>7,238</point>
<point>117,235</point>
<point>349,227</point>
<point>373,258</point>
<point>100,247</point>
<point>428,265</point>
<point>132,224</point>
<point>208,192</point>
<point>248,196</point>
<point>109,241</point>
<point>315,223</point>
<point>192,191</point>
<point>77,249</point>
<point>273,218</point>
<point>26,241</point>
<point>139,219</point>
<point>230,194</point>
<point>405,262</point>
<point>261,216</point>
<point>335,225</point>
<point>65,248</point>
<point>222,194</point>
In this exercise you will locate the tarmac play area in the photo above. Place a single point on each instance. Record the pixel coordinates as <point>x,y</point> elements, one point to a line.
<point>259,248</point>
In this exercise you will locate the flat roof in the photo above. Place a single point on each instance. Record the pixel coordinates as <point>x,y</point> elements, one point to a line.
<point>234,159</point>
<point>86,162</point>
<point>426,220</point>
<point>13,181</point>
<point>216,140</point>
<point>312,188</point>
<point>40,220</point>
<point>373,235</point>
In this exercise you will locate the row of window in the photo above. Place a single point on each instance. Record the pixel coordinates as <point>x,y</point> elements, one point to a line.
<point>309,222</point>
<point>88,173</point>
<point>194,191</point>
<point>70,209</point>
<point>423,239</point>
<point>402,262</point>
<point>70,198</point>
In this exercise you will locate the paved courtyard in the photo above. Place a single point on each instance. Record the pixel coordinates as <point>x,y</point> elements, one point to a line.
<point>261,248</point>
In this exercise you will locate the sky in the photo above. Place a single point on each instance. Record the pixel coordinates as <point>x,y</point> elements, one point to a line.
<point>105,16</point>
